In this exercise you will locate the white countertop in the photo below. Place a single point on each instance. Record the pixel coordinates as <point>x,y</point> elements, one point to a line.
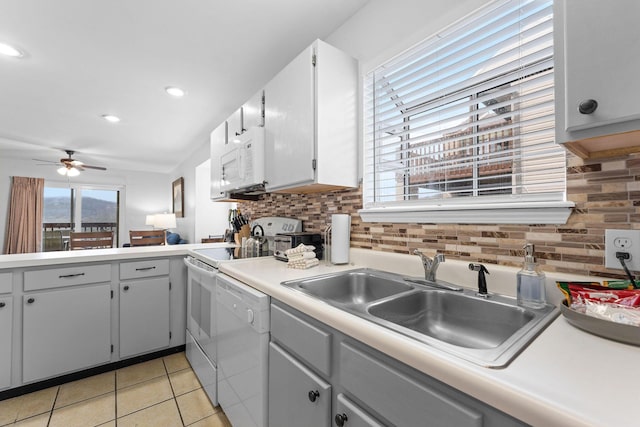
<point>96,255</point>
<point>564,377</point>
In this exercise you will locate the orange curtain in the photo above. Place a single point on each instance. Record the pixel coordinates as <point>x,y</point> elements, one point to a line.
<point>24,229</point>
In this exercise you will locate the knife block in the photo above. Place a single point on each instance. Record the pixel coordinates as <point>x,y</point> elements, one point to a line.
<point>245,231</point>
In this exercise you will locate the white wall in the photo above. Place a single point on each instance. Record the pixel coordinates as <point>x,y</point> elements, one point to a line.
<point>379,31</point>
<point>186,225</point>
<point>143,193</point>
<point>212,218</point>
<point>382,29</point>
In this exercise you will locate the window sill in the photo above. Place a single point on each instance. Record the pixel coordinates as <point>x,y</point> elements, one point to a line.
<point>508,213</point>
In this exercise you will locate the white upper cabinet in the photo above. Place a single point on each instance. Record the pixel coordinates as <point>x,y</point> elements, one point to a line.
<point>218,142</point>
<point>253,111</point>
<point>595,76</point>
<point>250,115</point>
<point>234,124</point>
<point>311,123</point>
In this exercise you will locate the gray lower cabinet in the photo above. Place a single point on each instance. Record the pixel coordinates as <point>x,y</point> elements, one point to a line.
<point>144,307</point>
<point>367,387</point>
<point>297,396</point>
<point>144,316</point>
<point>65,330</point>
<point>6,326</point>
<point>401,399</point>
<point>349,414</point>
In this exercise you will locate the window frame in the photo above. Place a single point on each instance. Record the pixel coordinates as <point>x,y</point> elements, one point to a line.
<point>76,189</point>
<point>547,208</point>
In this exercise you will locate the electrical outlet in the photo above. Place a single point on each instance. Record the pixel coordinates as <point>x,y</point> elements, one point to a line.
<point>622,241</point>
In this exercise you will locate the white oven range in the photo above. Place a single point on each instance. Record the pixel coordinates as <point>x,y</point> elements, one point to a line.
<point>202,270</point>
<point>201,338</point>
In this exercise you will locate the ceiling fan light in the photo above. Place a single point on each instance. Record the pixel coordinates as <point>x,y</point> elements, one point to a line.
<point>73,172</point>
<point>62,170</point>
<point>9,50</point>
<point>175,91</point>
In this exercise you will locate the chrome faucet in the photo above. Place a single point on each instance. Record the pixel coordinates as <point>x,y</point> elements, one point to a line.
<point>430,264</point>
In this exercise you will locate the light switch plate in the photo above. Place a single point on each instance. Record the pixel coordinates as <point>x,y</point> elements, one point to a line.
<point>622,241</point>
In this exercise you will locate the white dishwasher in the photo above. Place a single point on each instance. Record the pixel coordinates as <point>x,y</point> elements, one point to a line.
<point>242,315</point>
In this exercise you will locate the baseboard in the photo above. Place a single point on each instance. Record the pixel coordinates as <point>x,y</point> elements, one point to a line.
<point>52,382</point>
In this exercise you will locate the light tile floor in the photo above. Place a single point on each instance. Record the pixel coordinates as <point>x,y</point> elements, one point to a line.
<point>162,392</point>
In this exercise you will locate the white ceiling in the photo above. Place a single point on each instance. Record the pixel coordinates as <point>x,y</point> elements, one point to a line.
<point>85,58</point>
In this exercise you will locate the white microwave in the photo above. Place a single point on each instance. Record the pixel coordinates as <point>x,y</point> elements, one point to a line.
<point>242,163</point>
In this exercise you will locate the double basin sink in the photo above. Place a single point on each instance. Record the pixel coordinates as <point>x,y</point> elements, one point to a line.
<point>486,330</point>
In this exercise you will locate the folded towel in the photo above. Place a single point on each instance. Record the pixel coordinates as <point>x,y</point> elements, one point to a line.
<point>299,249</point>
<point>301,255</point>
<point>304,263</point>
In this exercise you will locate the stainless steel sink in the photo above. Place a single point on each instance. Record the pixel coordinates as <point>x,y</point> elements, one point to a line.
<point>354,287</point>
<point>486,331</point>
<point>454,318</point>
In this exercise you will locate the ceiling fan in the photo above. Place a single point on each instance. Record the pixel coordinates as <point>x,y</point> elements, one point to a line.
<point>70,166</point>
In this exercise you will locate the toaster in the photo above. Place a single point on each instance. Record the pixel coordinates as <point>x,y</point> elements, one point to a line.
<point>284,241</point>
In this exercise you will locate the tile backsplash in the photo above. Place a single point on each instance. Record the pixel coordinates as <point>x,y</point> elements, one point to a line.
<point>606,194</point>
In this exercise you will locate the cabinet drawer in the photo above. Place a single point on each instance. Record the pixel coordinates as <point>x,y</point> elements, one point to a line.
<point>307,341</point>
<point>68,276</point>
<point>147,268</point>
<point>375,383</point>
<point>5,283</point>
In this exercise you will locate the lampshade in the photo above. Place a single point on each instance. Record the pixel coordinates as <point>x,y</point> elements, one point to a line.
<point>165,221</point>
<point>150,220</point>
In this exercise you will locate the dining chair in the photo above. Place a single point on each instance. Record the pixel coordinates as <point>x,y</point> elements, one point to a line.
<point>91,240</point>
<point>146,237</point>
<point>52,241</point>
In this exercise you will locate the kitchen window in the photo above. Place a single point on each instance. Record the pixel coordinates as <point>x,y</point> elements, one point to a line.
<point>460,128</point>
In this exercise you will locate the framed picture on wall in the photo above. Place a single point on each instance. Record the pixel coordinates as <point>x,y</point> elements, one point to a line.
<point>178,197</point>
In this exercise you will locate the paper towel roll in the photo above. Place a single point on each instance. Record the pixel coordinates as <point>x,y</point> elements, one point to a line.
<point>340,238</point>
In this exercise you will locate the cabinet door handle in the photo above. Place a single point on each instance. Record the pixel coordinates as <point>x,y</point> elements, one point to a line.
<point>588,106</point>
<point>145,268</point>
<point>341,419</point>
<point>66,276</point>
<point>313,395</point>
<point>2,304</point>
<point>31,300</point>
<point>126,288</point>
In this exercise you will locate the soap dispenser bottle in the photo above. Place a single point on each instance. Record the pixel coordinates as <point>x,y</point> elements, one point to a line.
<point>531,290</point>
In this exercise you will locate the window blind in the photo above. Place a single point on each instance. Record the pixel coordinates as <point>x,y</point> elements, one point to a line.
<point>467,116</point>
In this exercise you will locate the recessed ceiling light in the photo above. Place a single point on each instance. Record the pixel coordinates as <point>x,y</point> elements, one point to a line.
<point>175,91</point>
<point>9,50</point>
<point>111,118</point>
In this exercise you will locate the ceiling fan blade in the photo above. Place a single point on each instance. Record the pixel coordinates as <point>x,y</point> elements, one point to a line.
<point>93,167</point>
<point>69,163</point>
<point>45,161</point>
